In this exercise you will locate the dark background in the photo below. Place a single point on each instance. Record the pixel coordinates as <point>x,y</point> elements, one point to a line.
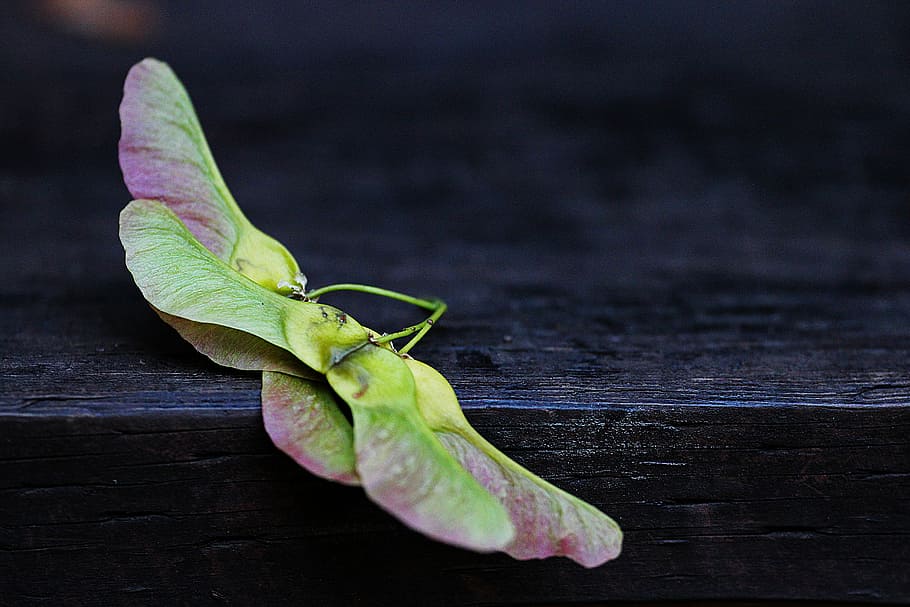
<point>675,242</point>
<point>740,140</point>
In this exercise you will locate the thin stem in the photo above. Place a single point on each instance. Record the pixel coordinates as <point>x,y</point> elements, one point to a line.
<point>437,306</point>
<point>426,304</point>
<point>427,325</point>
<point>387,337</point>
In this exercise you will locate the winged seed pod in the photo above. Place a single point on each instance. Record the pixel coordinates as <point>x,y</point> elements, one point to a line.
<point>238,296</point>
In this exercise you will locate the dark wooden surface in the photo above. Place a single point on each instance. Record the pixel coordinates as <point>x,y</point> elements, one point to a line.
<point>676,250</point>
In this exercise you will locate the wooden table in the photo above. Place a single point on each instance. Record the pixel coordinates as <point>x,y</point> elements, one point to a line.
<point>681,294</point>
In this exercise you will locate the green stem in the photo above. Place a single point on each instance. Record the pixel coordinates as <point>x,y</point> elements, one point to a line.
<point>437,306</point>
<point>427,325</point>
<point>426,304</point>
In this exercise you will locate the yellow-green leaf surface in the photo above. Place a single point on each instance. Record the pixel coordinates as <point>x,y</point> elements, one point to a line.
<point>548,521</point>
<point>180,277</point>
<point>164,156</point>
<point>403,467</point>
<point>236,349</point>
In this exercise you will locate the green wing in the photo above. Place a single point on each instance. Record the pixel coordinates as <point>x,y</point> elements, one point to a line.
<point>236,349</point>
<point>403,467</point>
<point>180,277</point>
<point>548,521</point>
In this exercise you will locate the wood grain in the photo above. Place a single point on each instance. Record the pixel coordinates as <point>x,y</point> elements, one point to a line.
<point>679,287</point>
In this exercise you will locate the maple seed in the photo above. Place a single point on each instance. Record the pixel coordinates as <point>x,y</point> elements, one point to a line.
<point>186,238</point>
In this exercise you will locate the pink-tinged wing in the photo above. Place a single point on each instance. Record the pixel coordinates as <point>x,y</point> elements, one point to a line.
<point>548,521</point>
<point>303,420</point>
<point>298,408</point>
<point>401,464</point>
<point>164,156</point>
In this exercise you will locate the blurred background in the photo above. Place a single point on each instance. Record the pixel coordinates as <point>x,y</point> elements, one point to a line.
<point>613,143</point>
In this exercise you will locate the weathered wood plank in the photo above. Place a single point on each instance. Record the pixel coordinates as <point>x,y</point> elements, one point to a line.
<point>678,268</point>
<point>69,352</point>
<point>751,502</point>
